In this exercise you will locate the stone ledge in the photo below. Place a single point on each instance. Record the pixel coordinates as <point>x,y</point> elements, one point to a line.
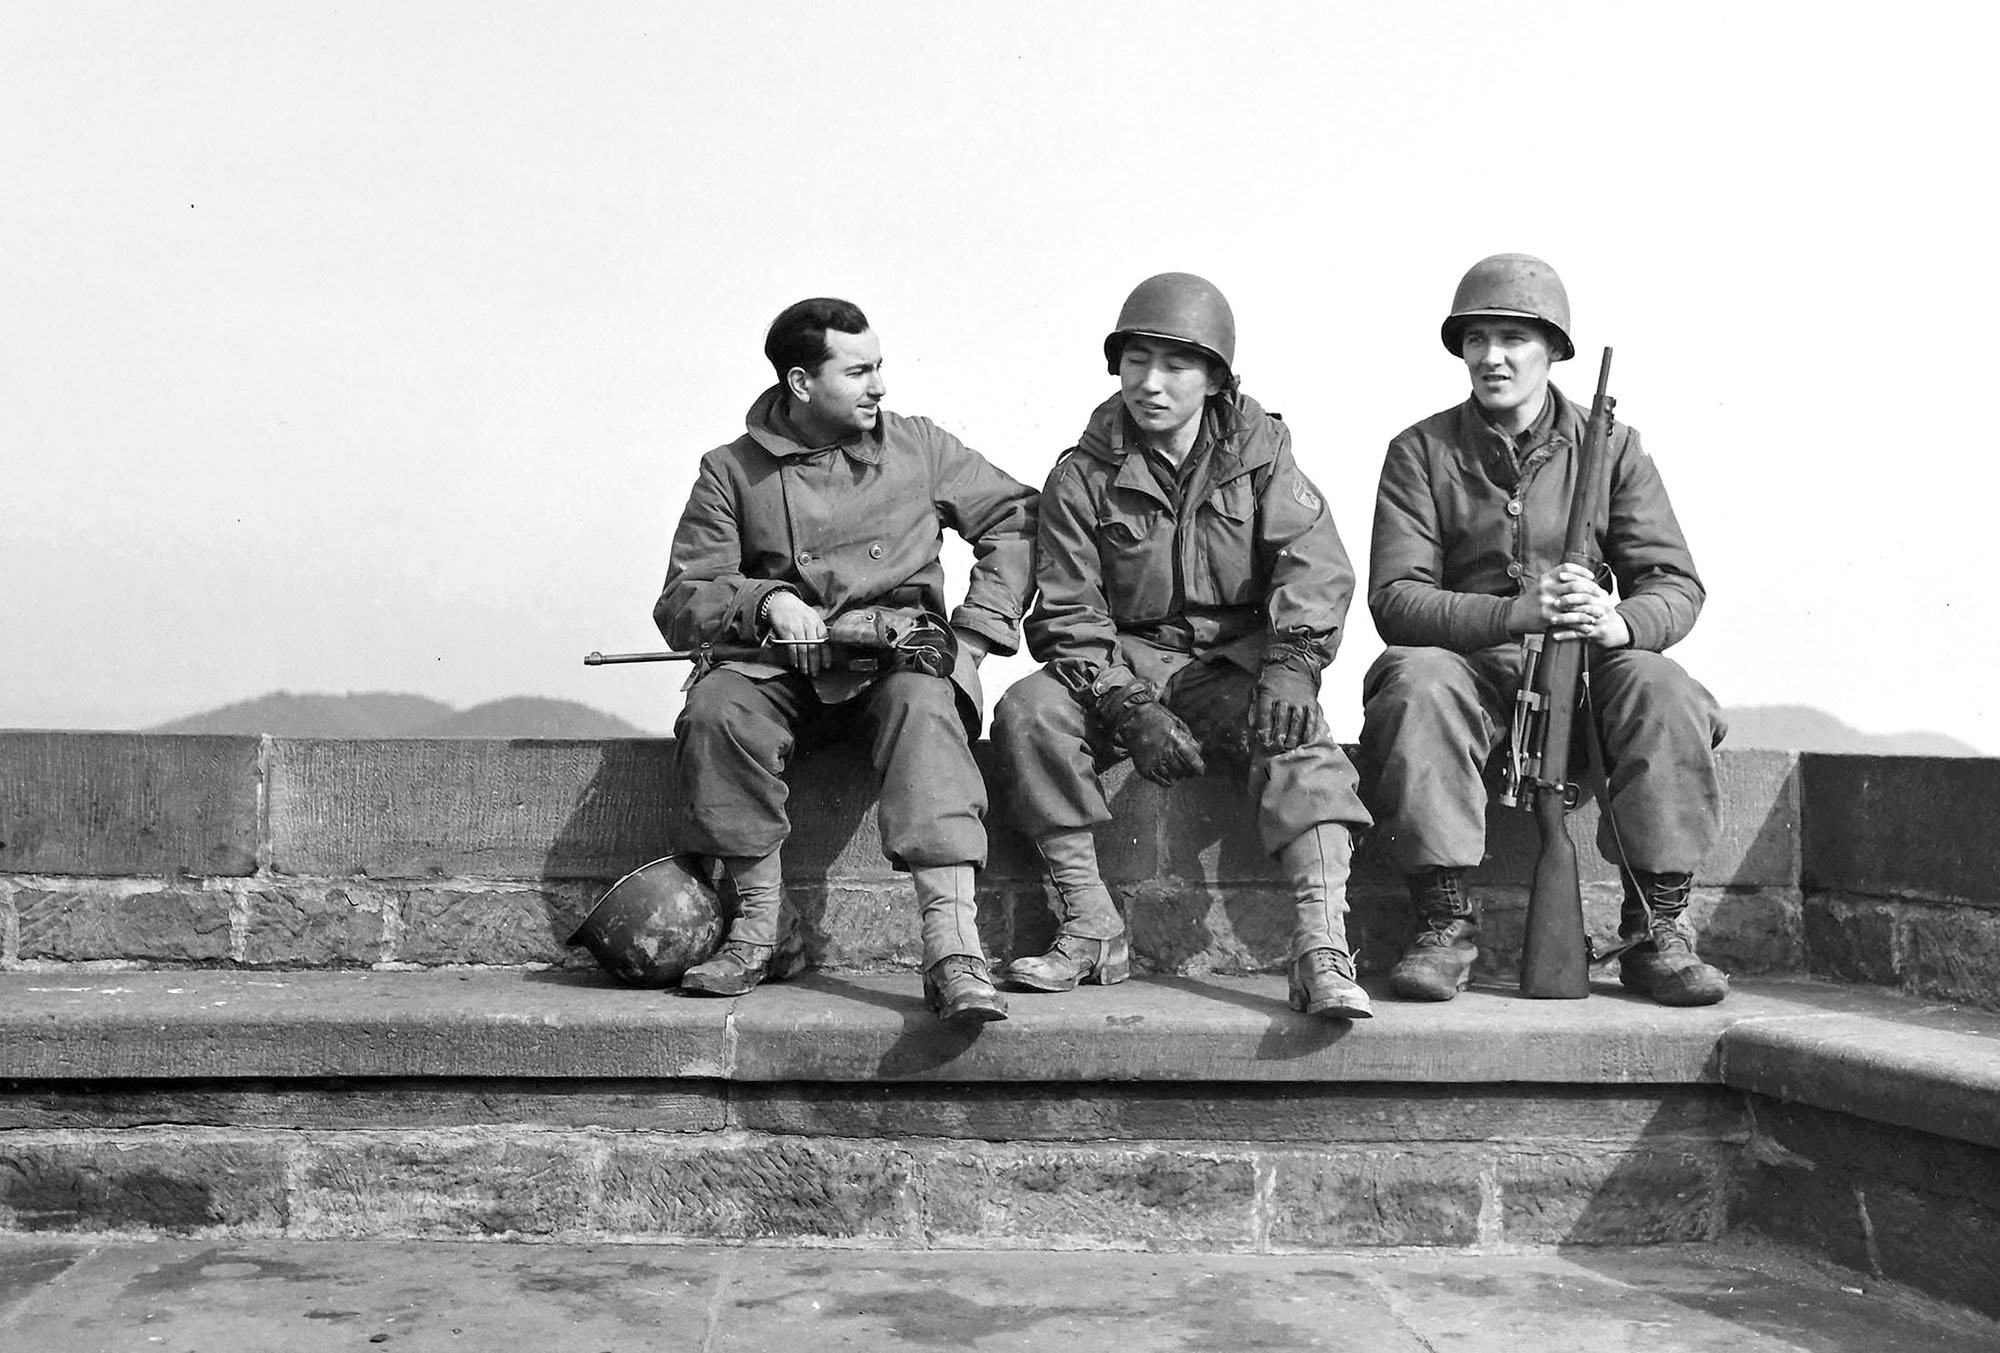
<point>1935,1069</point>
<point>221,1025</point>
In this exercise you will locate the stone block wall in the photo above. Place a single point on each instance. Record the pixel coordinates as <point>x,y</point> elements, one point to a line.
<point>284,852</point>
<point>1901,873</point>
<point>1890,1201</point>
<point>1205,1167</point>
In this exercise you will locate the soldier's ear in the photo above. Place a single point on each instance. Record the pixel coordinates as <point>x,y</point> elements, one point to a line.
<point>796,380</point>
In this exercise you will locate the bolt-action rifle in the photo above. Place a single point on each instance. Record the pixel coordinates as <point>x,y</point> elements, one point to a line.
<point>869,639</point>
<point>1555,951</point>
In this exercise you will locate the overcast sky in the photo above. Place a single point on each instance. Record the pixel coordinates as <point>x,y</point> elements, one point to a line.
<point>372,346</point>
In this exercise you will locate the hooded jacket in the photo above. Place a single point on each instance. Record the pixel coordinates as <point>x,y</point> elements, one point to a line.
<point>1459,534</point>
<point>843,526</point>
<point>1132,586</point>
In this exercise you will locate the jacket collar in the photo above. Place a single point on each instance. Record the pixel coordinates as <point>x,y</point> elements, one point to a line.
<point>1235,431</point>
<point>770,426</point>
<point>1554,431</point>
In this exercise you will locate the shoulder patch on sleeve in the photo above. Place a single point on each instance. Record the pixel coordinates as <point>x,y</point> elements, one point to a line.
<point>1305,493</point>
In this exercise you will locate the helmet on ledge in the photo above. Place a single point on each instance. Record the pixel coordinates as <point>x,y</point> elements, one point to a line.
<point>654,924</point>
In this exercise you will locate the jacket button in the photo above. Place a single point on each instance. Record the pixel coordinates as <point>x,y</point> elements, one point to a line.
<point>804,558</point>
<point>1513,507</point>
<point>874,551</point>
<point>1513,570</point>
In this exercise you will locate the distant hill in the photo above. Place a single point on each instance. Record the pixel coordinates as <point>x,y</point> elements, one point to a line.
<point>386,714</point>
<point>358,714</point>
<point>1800,728</point>
<point>389,714</point>
<point>528,716</point>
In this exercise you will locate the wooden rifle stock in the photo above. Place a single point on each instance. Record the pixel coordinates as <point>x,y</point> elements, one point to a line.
<point>1555,952</point>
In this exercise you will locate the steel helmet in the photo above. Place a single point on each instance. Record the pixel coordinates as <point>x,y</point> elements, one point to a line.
<point>1518,286</point>
<point>1180,306</point>
<point>654,924</point>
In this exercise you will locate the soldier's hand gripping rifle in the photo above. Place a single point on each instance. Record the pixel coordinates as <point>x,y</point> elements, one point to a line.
<point>867,639</point>
<point>1555,951</point>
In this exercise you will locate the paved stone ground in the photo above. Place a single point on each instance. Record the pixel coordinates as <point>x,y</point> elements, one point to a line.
<point>417,1297</point>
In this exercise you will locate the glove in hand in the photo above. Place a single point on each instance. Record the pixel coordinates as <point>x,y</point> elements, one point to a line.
<point>928,647</point>
<point>905,639</point>
<point>1284,705</point>
<point>1162,748</point>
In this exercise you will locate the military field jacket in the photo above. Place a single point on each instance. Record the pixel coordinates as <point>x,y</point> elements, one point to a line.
<point>1129,582</point>
<point>844,526</point>
<point>1457,538</point>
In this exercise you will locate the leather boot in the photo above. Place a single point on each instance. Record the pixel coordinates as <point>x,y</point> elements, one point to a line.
<point>1317,863</point>
<point>1322,983</point>
<point>744,958</point>
<point>960,990</point>
<point>1090,945</point>
<point>1438,963</point>
<point>957,983</point>
<point>1664,965</point>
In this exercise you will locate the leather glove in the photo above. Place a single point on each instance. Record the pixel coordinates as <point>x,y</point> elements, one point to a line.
<point>1284,705</point>
<point>927,647</point>
<point>905,639</point>
<point>1161,747</point>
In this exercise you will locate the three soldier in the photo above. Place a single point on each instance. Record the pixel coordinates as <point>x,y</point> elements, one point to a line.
<point>1189,587</point>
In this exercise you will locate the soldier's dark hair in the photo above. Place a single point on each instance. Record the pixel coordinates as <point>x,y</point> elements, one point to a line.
<point>797,337</point>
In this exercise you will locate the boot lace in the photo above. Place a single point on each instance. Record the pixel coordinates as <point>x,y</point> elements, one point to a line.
<point>1322,961</point>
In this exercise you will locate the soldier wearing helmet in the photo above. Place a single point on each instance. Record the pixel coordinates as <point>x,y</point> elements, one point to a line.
<point>1470,520</point>
<point>1192,588</point>
<point>827,508</point>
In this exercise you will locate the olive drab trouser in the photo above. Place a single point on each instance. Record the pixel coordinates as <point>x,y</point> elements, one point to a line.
<point>1051,753</point>
<point>736,734</point>
<point>1433,717</point>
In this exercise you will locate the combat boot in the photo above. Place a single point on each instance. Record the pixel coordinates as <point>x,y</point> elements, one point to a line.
<point>957,983</point>
<point>1091,945</point>
<point>1663,964</point>
<point>731,970</point>
<point>1322,983</point>
<point>1317,863</point>
<point>1438,964</point>
<point>745,957</point>
<point>960,990</point>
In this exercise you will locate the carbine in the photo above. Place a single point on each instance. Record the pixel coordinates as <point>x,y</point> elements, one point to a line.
<point>1555,951</point>
<point>870,639</point>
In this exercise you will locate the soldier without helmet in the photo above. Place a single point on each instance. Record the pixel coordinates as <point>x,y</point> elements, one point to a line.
<point>827,506</point>
<point>1470,519</point>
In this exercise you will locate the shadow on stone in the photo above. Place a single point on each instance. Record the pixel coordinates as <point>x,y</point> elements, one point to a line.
<point>923,1044</point>
<point>1287,1034</point>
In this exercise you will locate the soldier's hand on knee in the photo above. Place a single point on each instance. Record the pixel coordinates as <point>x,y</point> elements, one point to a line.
<point>1162,747</point>
<point>797,634</point>
<point>1284,704</point>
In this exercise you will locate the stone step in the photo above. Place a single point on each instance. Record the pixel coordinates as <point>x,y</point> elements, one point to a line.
<point>1182,1113</point>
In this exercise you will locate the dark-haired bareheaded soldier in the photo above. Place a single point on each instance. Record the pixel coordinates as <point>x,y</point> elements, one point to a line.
<point>830,504</point>
<point>1470,522</point>
<point>1192,588</point>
